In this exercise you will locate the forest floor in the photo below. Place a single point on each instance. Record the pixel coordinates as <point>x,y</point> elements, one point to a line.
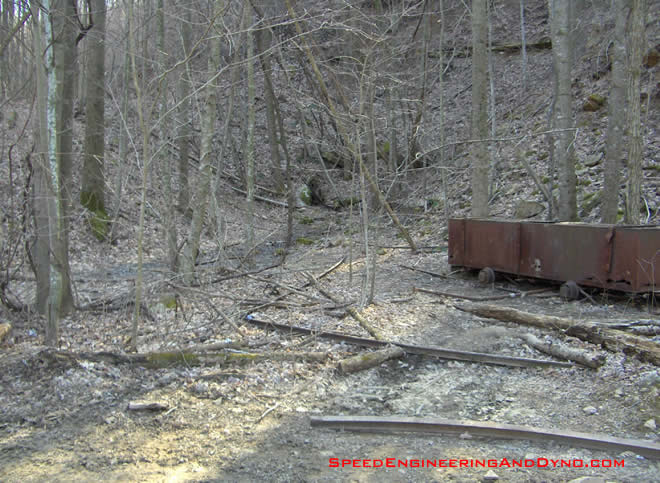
<point>68,419</point>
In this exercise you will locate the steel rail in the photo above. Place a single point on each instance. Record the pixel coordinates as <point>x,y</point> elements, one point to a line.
<point>648,449</point>
<point>438,352</point>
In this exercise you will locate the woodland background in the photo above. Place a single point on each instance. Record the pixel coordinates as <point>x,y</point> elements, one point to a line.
<point>168,169</point>
<point>137,117</point>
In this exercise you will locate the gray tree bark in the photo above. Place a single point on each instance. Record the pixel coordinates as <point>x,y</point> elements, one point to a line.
<point>560,23</point>
<point>93,178</point>
<point>249,176</point>
<point>616,105</point>
<point>184,131</point>
<point>523,46</point>
<point>40,191</point>
<point>59,36</point>
<point>636,147</point>
<point>263,37</point>
<point>480,161</point>
<point>164,156</point>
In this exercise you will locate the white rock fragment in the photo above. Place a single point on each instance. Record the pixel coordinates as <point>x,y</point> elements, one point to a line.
<point>590,410</point>
<point>588,479</point>
<point>200,387</point>
<point>650,424</point>
<point>490,476</point>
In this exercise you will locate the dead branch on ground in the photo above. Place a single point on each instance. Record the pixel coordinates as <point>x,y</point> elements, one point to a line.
<point>160,360</point>
<point>475,298</point>
<point>562,351</point>
<point>611,339</point>
<point>368,360</point>
<point>373,332</point>
<point>433,274</point>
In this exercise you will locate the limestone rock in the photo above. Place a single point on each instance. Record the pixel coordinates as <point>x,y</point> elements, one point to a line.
<point>528,209</point>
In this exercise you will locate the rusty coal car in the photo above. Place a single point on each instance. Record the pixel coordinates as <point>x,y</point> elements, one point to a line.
<point>617,257</point>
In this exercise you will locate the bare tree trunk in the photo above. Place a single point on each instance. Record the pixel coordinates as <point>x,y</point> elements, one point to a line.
<point>164,157</point>
<point>491,107</point>
<point>616,117</point>
<point>249,178</point>
<point>93,179</point>
<point>366,97</point>
<point>523,47</point>
<point>144,120</point>
<point>441,109</point>
<point>263,38</point>
<point>183,136</point>
<point>40,190</point>
<point>480,162</point>
<point>635,151</point>
<point>226,143</point>
<point>205,169</point>
<point>122,159</point>
<point>60,39</point>
<point>560,16</point>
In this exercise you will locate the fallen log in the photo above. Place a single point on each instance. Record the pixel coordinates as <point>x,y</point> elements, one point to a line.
<point>467,297</point>
<point>482,298</point>
<point>648,449</point>
<point>368,360</point>
<point>438,352</point>
<point>160,360</point>
<point>562,351</point>
<point>610,339</point>
<point>147,406</point>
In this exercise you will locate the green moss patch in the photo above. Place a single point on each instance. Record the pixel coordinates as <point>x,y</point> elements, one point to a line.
<point>304,241</point>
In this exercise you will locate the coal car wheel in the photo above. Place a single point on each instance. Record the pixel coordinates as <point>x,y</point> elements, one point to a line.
<point>569,290</point>
<point>487,275</point>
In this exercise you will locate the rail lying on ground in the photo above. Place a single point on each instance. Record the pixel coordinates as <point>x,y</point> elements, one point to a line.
<point>648,449</point>
<point>415,349</point>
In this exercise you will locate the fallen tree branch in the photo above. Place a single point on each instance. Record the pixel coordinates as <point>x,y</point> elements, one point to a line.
<point>611,339</point>
<point>433,274</point>
<point>239,275</point>
<point>266,412</point>
<point>260,198</point>
<point>373,332</point>
<point>562,351</point>
<point>438,352</point>
<point>368,360</point>
<point>648,449</point>
<point>159,360</point>
<point>467,297</point>
<point>12,303</point>
<point>484,298</point>
<point>289,292</point>
<point>147,406</point>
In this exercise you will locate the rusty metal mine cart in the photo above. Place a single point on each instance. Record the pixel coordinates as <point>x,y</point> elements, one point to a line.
<point>616,257</point>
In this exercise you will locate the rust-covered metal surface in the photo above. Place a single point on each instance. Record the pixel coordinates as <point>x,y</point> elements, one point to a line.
<point>619,257</point>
